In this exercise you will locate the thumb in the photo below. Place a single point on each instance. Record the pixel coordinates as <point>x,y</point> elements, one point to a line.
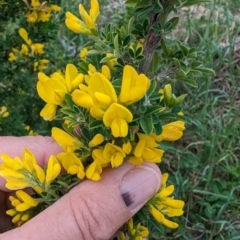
<point>94,210</point>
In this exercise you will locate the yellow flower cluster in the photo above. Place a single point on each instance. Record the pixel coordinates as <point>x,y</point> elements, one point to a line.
<point>20,174</point>
<point>162,204</point>
<point>29,48</point>
<point>25,172</point>
<point>3,112</point>
<point>87,24</point>
<point>135,232</point>
<point>103,103</point>
<point>53,89</point>
<point>40,12</point>
<point>23,203</point>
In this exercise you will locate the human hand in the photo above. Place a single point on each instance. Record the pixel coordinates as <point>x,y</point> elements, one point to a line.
<point>91,210</point>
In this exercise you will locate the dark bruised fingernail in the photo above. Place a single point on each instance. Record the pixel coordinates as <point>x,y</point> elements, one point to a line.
<point>138,186</point>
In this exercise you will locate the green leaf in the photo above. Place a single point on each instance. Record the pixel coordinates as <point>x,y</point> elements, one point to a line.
<point>157,6</point>
<point>95,124</point>
<point>131,53</point>
<point>172,23</point>
<point>155,96</point>
<point>158,128</point>
<point>190,82</point>
<point>68,111</point>
<point>152,87</point>
<point>196,64</point>
<point>207,70</point>
<point>106,59</point>
<point>146,125</point>
<point>152,109</point>
<point>131,3</point>
<point>176,62</point>
<point>95,52</point>
<point>127,40</point>
<point>193,2</point>
<point>116,45</point>
<point>86,133</point>
<point>138,51</point>
<point>130,24</point>
<point>164,47</point>
<point>68,100</point>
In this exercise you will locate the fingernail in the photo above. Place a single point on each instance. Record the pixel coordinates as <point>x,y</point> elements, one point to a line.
<point>138,186</point>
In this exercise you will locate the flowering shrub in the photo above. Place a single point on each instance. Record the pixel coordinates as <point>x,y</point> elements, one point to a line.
<point>114,107</point>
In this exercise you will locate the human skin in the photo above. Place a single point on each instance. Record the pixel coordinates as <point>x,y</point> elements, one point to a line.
<point>91,210</point>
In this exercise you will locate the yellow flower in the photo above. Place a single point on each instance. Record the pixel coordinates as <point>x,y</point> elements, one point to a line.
<point>146,150</point>
<point>3,112</point>
<point>87,24</point>
<point>12,57</point>
<point>83,54</point>
<point>52,90</point>
<point>117,117</point>
<point>170,132</point>
<point>44,16</point>
<point>24,35</point>
<point>99,158</point>
<point>24,173</point>
<point>66,141</point>
<point>94,171</point>
<point>97,139</point>
<point>136,232</point>
<point>114,154</point>
<point>23,204</point>
<point>55,7</point>
<point>40,65</point>
<point>24,50</point>
<point>35,3</point>
<point>53,170</point>
<point>163,204</point>
<point>72,164</point>
<point>134,86</point>
<point>36,47</point>
<point>111,63</point>
<point>32,16</point>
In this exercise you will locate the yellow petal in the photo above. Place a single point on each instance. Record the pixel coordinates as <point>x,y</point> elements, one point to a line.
<point>139,148</point>
<point>97,139</point>
<point>135,160</point>
<point>117,159</point>
<point>26,198</point>
<point>94,11</point>
<point>53,169</point>
<point>24,35</point>
<point>99,83</point>
<point>82,99</point>
<point>48,112</point>
<point>72,77</point>
<point>170,224</point>
<point>119,127</point>
<point>86,18</point>
<point>156,214</point>
<point>127,147</point>
<point>93,171</point>
<point>167,191</point>
<point>116,111</point>
<point>40,173</point>
<point>77,27</point>
<point>97,112</point>
<point>66,141</point>
<point>174,203</point>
